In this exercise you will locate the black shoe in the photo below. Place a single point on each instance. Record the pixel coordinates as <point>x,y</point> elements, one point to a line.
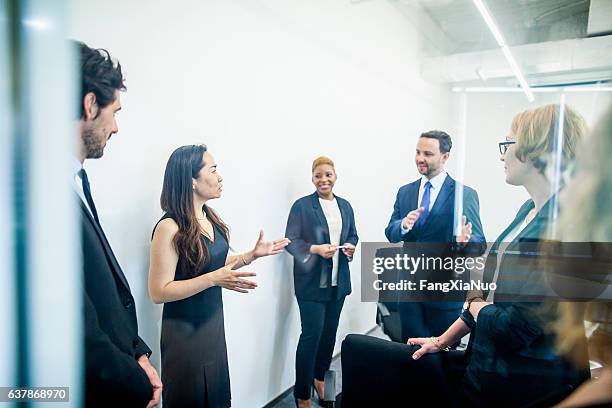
<point>322,403</point>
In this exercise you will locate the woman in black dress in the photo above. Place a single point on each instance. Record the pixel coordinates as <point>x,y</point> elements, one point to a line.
<point>189,266</point>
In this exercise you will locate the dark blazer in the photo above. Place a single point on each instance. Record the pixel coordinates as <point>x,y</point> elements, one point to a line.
<point>113,377</point>
<point>436,236</point>
<point>438,226</point>
<point>307,226</point>
<point>511,349</point>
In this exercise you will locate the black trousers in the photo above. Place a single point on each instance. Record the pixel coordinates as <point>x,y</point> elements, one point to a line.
<point>382,373</point>
<point>316,345</point>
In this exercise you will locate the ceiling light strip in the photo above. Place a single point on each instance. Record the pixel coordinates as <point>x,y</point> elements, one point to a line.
<point>488,18</point>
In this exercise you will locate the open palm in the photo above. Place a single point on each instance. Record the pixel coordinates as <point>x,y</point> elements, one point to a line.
<point>265,248</point>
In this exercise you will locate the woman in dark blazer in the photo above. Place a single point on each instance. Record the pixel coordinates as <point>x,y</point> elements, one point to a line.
<point>321,229</point>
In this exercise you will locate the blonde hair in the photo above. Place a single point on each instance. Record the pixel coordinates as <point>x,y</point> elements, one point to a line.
<point>586,217</point>
<point>535,133</point>
<point>322,160</point>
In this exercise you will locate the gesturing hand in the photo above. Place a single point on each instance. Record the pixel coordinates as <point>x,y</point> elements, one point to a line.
<point>227,278</point>
<point>466,231</point>
<point>411,218</point>
<point>265,248</point>
<point>153,379</point>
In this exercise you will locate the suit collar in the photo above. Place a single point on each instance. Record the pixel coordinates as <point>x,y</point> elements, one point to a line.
<point>436,182</point>
<point>87,217</point>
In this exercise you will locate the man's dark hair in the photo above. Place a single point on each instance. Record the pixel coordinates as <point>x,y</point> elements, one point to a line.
<point>442,137</point>
<point>99,74</point>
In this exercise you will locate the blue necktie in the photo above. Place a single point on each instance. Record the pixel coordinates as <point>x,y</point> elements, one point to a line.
<point>425,204</point>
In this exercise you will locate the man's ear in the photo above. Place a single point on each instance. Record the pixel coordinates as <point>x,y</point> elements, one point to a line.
<point>90,107</point>
<point>445,156</point>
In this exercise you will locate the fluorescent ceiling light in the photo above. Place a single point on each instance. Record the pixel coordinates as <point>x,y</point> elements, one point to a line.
<point>501,89</point>
<point>488,18</point>
<point>517,72</point>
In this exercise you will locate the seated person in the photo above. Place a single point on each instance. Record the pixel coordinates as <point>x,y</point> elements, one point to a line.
<point>511,359</point>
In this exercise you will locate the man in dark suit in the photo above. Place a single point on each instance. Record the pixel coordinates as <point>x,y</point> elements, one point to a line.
<point>117,367</point>
<point>424,213</point>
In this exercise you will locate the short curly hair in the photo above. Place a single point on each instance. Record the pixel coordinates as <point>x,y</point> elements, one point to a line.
<point>322,160</point>
<point>100,74</point>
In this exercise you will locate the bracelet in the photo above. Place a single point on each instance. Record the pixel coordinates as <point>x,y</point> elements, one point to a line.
<point>436,343</point>
<point>244,262</point>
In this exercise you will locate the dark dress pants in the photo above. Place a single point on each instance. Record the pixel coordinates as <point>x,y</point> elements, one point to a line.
<point>316,344</point>
<point>382,373</point>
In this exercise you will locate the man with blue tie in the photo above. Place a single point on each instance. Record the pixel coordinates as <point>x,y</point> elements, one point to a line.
<point>424,212</point>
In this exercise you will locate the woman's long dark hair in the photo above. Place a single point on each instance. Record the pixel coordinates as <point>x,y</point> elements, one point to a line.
<point>176,199</point>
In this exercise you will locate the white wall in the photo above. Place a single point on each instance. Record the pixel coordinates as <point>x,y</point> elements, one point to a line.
<point>268,85</point>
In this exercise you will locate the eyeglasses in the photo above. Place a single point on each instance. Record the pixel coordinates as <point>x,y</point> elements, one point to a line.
<point>503,146</point>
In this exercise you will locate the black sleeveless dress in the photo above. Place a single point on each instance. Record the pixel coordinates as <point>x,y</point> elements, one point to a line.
<point>194,371</point>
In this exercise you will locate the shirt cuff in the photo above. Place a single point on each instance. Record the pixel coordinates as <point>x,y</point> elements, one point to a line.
<point>404,230</point>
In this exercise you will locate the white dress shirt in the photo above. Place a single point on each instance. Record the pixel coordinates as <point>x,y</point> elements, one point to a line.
<point>334,224</point>
<point>436,186</point>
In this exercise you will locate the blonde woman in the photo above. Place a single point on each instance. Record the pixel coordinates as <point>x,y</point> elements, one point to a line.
<point>321,228</point>
<point>511,359</point>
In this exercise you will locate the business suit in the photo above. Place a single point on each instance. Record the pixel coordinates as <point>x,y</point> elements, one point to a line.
<point>112,345</point>
<point>320,302</point>
<point>436,231</point>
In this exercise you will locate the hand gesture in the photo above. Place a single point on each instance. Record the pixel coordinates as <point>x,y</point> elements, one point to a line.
<point>466,231</point>
<point>265,248</point>
<point>349,250</point>
<point>156,383</point>
<point>427,346</point>
<point>326,251</point>
<point>411,218</point>
<point>227,278</point>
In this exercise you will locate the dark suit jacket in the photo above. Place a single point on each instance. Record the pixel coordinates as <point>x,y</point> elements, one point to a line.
<point>438,226</point>
<point>307,226</point>
<point>437,233</point>
<point>511,349</point>
<point>112,346</point>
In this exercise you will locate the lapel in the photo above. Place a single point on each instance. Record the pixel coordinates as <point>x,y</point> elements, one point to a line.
<point>320,217</point>
<point>345,219</point>
<point>536,229</point>
<point>413,195</point>
<point>491,262</point>
<point>107,249</point>
<point>520,217</point>
<point>447,189</point>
